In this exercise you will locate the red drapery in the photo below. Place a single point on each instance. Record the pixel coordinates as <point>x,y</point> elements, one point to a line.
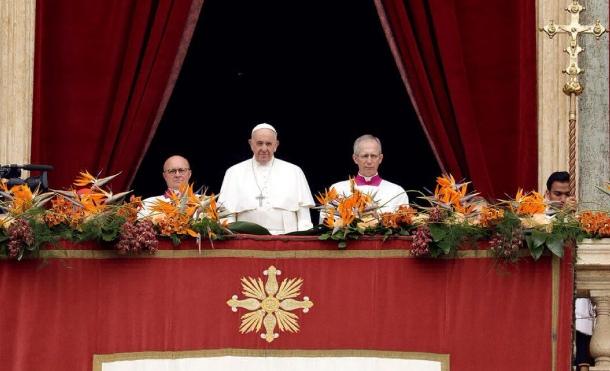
<point>470,69</point>
<point>104,70</point>
<point>59,312</point>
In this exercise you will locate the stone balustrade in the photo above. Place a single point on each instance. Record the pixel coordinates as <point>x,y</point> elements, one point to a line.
<point>593,280</point>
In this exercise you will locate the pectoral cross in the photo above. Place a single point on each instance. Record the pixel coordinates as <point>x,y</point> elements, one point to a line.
<point>260,199</point>
<point>572,87</point>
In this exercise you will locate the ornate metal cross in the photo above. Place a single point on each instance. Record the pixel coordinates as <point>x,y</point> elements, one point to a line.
<point>572,87</point>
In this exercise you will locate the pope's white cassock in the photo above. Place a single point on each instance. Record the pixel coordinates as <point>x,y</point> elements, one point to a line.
<point>387,195</point>
<point>274,195</point>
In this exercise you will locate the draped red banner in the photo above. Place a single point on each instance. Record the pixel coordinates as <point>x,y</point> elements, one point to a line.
<point>470,69</point>
<point>104,70</point>
<point>78,302</point>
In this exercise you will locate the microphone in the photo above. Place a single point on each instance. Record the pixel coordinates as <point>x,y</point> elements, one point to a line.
<point>31,167</point>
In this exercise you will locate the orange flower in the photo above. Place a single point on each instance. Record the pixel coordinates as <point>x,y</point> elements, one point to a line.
<point>604,229</point>
<point>530,203</point>
<point>327,197</point>
<point>346,214</point>
<point>490,216</point>
<point>64,211</point>
<point>84,179</point>
<point>129,210</point>
<point>329,219</point>
<point>212,210</point>
<point>174,217</point>
<point>446,181</point>
<point>389,220</point>
<point>595,223</point>
<point>449,193</point>
<point>93,202</point>
<point>399,218</point>
<point>22,199</point>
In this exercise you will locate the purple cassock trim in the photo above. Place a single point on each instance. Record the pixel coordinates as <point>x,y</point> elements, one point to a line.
<point>375,181</point>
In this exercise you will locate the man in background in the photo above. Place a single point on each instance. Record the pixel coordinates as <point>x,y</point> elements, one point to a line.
<point>176,172</point>
<point>559,197</point>
<point>368,156</point>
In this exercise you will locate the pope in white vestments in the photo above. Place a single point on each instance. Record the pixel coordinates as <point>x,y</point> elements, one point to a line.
<point>368,156</point>
<point>266,190</point>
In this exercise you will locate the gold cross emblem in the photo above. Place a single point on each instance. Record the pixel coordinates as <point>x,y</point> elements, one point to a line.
<point>270,305</point>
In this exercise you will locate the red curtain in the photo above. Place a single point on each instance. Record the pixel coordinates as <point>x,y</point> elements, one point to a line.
<point>59,312</point>
<point>104,70</point>
<point>470,69</point>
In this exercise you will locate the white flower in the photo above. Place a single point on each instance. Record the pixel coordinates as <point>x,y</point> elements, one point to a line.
<point>540,221</point>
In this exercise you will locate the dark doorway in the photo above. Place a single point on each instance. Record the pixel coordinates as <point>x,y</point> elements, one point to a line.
<point>321,72</point>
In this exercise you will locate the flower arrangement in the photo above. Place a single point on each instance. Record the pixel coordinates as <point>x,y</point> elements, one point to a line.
<point>453,218</point>
<point>346,215</point>
<point>91,211</point>
<point>185,213</point>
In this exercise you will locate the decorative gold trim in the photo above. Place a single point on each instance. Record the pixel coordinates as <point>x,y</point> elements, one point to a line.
<point>443,359</point>
<point>554,309</point>
<point>257,254</point>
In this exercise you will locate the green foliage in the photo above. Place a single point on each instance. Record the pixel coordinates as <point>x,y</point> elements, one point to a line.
<point>248,228</point>
<point>208,228</point>
<point>104,227</point>
<point>446,238</point>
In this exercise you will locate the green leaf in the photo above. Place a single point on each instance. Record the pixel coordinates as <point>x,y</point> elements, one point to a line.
<point>342,245</point>
<point>437,231</point>
<point>539,238</point>
<point>248,228</point>
<point>536,251</point>
<point>108,236</point>
<point>175,239</point>
<point>555,244</point>
<point>316,230</point>
<point>445,245</point>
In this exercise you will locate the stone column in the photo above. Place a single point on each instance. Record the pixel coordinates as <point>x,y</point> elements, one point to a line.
<point>17,23</point>
<point>600,342</point>
<point>593,125</point>
<point>593,280</point>
<point>553,104</point>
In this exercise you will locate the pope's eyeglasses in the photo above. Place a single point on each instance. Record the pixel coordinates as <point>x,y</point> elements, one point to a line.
<point>180,170</point>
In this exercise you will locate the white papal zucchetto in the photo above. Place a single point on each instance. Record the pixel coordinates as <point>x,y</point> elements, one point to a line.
<point>264,126</point>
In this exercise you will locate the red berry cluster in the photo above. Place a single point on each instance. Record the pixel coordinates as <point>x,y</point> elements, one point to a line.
<point>137,237</point>
<point>507,247</point>
<point>20,236</point>
<point>421,241</point>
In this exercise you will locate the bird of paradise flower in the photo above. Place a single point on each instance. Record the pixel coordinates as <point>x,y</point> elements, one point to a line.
<point>270,305</point>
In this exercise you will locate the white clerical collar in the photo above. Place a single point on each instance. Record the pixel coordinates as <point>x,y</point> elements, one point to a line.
<point>368,178</point>
<point>258,165</point>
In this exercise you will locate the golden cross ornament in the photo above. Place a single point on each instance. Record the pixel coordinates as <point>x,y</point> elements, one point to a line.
<point>572,87</point>
<point>574,29</point>
<point>270,305</point>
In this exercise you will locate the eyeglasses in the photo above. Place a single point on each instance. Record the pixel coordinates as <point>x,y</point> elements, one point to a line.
<point>180,170</point>
<point>369,155</point>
